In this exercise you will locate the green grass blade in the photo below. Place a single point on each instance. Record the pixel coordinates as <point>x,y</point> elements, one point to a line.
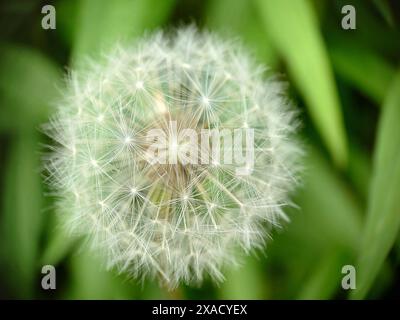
<point>327,203</point>
<point>28,86</point>
<point>67,15</point>
<point>362,68</point>
<point>246,281</point>
<point>359,170</point>
<point>151,290</point>
<point>384,8</point>
<point>90,280</point>
<point>329,218</point>
<point>383,216</point>
<point>324,280</point>
<point>101,22</point>
<point>22,215</point>
<point>294,29</point>
<point>236,18</point>
<point>60,242</point>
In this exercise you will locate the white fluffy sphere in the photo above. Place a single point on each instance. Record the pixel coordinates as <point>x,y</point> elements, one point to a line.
<point>177,221</point>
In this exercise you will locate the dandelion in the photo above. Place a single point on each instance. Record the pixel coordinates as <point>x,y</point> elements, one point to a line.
<point>177,221</point>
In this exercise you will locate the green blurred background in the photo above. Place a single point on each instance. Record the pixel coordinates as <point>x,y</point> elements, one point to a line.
<point>345,82</point>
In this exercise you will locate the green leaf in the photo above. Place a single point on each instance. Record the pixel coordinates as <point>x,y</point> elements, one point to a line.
<point>22,215</point>
<point>359,170</point>
<point>151,290</point>
<point>67,15</point>
<point>101,23</point>
<point>353,63</point>
<point>28,86</point>
<point>59,243</point>
<point>90,280</point>
<point>327,226</point>
<point>325,277</point>
<point>383,215</point>
<point>384,9</point>
<point>330,214</point>
<point>236,18</point>
<point>294,30</point>
<point>246,281</point>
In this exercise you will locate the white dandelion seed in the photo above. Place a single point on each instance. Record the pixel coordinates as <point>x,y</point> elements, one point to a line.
<point>175,222</point>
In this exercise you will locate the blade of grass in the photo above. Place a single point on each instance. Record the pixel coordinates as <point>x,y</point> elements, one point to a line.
<point>237,19</point>
<point>22,215</point>
<point>326,201</point>
<point>28,86</point>
<point>329,217</point>
<point>362,68</point>
<point>101,23</point>
<point>294,30</point>
<point>384,8</point>
<point>359,170</point>
<point>152,291</point>
<point>383,213</point>
<point>325,278</point>
<point>246,281</point>
<point>59,244</point>
<point>90,280</point>
<point>67,14</point>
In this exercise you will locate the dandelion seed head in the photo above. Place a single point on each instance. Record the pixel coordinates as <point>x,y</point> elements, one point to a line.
<point>100,118</point>
<point>93,162</point>
<point>177,222</point>
<point>139,85</point>
<point>205,101</point>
